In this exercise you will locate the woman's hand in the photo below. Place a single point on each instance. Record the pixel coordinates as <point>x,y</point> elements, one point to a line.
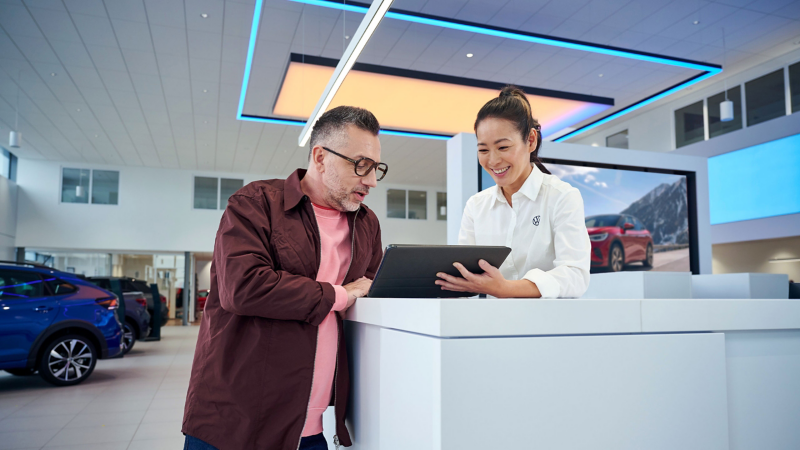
<point>490,282</point>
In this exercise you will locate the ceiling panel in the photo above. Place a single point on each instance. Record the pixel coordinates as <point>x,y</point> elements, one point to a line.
<point>138,75</point>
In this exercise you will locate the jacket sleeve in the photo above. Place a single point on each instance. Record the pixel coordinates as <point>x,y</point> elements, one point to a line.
<point>377,254</point>
<point>249,284</point>
<point>570,276</point>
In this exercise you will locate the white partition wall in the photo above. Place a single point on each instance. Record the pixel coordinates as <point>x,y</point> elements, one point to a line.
<point>8,218</point>
<point>462,179</point>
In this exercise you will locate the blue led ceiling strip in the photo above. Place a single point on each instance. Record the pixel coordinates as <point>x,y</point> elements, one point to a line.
<point>243,94</point>
<point>708,70</point>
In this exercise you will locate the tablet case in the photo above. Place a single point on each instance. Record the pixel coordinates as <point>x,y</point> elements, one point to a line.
<point>409,271</point>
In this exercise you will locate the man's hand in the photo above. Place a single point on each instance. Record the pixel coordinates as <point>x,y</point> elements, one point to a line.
<point>356,289</point>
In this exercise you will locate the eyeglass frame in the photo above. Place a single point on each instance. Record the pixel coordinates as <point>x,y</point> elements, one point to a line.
<point>355,162</point>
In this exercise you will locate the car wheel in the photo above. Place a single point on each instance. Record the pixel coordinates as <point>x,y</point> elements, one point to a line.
<point>616,260</point>
<point>128,337</point>
<point>648,259</point>
<point>68,360</point>
<point>23,372</point>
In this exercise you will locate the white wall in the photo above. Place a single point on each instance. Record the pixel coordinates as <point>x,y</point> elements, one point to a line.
<point>754,256</point>
<point>203,275</point>
<point>155,213</point>
<point>8,218</point>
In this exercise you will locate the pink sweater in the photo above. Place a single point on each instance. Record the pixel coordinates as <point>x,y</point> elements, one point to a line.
<point>335,260</point>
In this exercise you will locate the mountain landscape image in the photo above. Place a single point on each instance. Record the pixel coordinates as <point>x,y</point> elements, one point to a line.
<point>664,211</point>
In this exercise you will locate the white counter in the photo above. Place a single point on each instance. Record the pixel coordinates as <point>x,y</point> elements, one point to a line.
<point>601,374</point>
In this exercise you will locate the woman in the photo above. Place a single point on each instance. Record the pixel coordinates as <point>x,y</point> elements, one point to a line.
<point>529,210</point>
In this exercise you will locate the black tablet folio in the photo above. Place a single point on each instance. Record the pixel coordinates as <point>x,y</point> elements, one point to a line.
<point>409,271</point>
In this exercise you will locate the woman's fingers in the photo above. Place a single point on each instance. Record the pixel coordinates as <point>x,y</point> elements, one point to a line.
<point>488,268</point>
<point>464,272</point>
<point>451,287</point>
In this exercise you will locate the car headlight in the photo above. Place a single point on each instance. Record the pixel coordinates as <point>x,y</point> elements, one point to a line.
<point>598,237</point>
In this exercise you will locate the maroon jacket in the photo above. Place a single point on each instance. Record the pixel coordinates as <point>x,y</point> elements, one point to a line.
<point>254,361</point>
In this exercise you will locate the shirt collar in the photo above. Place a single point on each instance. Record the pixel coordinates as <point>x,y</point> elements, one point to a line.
<point>530,188</point>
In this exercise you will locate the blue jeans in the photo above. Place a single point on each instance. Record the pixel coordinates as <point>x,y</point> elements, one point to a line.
<point>316,442</point>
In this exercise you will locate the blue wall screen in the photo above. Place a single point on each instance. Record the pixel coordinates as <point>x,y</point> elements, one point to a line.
<point>755,182</point>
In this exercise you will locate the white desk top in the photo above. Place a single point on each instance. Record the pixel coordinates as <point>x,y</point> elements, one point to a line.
<point>472,317</point>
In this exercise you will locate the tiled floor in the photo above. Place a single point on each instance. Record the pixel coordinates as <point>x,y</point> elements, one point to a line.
<point>131,403</point>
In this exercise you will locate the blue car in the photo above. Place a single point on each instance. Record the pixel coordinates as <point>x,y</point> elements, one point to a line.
<point>54,323</point>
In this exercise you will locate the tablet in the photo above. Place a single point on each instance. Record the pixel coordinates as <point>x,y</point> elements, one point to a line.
<point>409,271</point>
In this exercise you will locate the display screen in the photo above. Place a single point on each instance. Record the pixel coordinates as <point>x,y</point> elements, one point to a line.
<point>755,182</point>
<point>636,220</point>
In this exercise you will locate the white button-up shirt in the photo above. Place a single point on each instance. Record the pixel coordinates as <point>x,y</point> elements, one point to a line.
<point>545,229</point>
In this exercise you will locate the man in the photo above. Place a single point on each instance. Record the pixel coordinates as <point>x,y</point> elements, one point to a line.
<point>289,255</point>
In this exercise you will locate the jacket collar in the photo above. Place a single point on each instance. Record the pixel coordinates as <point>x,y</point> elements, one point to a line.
<point>292,192</point>
<point>530,188</point>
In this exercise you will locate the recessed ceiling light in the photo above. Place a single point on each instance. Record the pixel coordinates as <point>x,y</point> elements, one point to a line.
<point>96,135</point>
<point>79,110</point>
<point>205,90</point>
<point>470,55</point>
<point>696,22</point>
<point>600,75</point>
<point>53,74</point>
<point>205,121</point>
<point>347,37</point>
<point>204,15</point>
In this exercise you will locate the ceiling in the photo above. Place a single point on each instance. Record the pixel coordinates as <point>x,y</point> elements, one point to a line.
<point>153,83</point>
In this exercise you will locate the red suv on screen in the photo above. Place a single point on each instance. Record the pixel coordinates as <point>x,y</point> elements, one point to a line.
<point>617,240</point>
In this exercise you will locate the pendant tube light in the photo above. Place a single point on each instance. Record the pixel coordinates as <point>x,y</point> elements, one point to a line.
<point>359,40</point>
<point>726,107</point>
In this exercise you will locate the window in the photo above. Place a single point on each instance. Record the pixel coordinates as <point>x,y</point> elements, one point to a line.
<point>618,140</point>
<point>81,185</point>
<point>418,205</point>
<point>715,126</point>
<point>794,86</point>
<point>228,186</point>
<point>205,193</point>
<point>19,285</point>
<point>213,193</point>
<point>400,201</point>
<point>766,98</point>
<point>105,187</point>
<point>8,165</point>
<point>60,287</point>
<point>441,206</point>
<point>75,185</point>
<point>396,203</point>
<point>689,126</point>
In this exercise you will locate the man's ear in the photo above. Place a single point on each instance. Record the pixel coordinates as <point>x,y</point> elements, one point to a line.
<point>318,158</point>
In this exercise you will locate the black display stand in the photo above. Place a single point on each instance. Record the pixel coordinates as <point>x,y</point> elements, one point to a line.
<point>155,332</point>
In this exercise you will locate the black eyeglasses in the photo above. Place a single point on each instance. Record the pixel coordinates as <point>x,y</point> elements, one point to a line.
<point>364,166</point>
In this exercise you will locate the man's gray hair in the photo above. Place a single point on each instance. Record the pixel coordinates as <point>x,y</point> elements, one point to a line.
<point>332,124</point>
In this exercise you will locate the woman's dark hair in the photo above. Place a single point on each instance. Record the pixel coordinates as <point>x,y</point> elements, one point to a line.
<point>513,106</point>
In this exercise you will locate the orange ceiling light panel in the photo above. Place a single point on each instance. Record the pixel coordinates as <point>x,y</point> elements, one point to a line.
<point>420,102</point>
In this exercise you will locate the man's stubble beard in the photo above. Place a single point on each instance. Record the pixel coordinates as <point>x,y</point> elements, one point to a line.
<point>337,195</point>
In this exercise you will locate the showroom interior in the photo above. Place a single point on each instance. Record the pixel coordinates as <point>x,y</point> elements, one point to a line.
<point>126,125</point>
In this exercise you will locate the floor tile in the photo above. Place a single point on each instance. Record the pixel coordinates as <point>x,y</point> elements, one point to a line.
<point>56,422</point>
<point>158,430</point>
<point>92,419</point>
<point>94,435</point>
<point>172,443</point>
<point>25,439</point>
<point>162,415</point>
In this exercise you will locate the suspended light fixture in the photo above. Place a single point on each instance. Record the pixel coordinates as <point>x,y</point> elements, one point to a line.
<point>15,136</point>
<point>726,107</point>
<point>368,25</point>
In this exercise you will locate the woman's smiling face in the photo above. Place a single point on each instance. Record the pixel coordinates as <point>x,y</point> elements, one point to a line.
<point>503,153</point>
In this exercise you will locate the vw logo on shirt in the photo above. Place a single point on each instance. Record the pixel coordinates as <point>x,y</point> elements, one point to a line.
<point>536,221</point>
